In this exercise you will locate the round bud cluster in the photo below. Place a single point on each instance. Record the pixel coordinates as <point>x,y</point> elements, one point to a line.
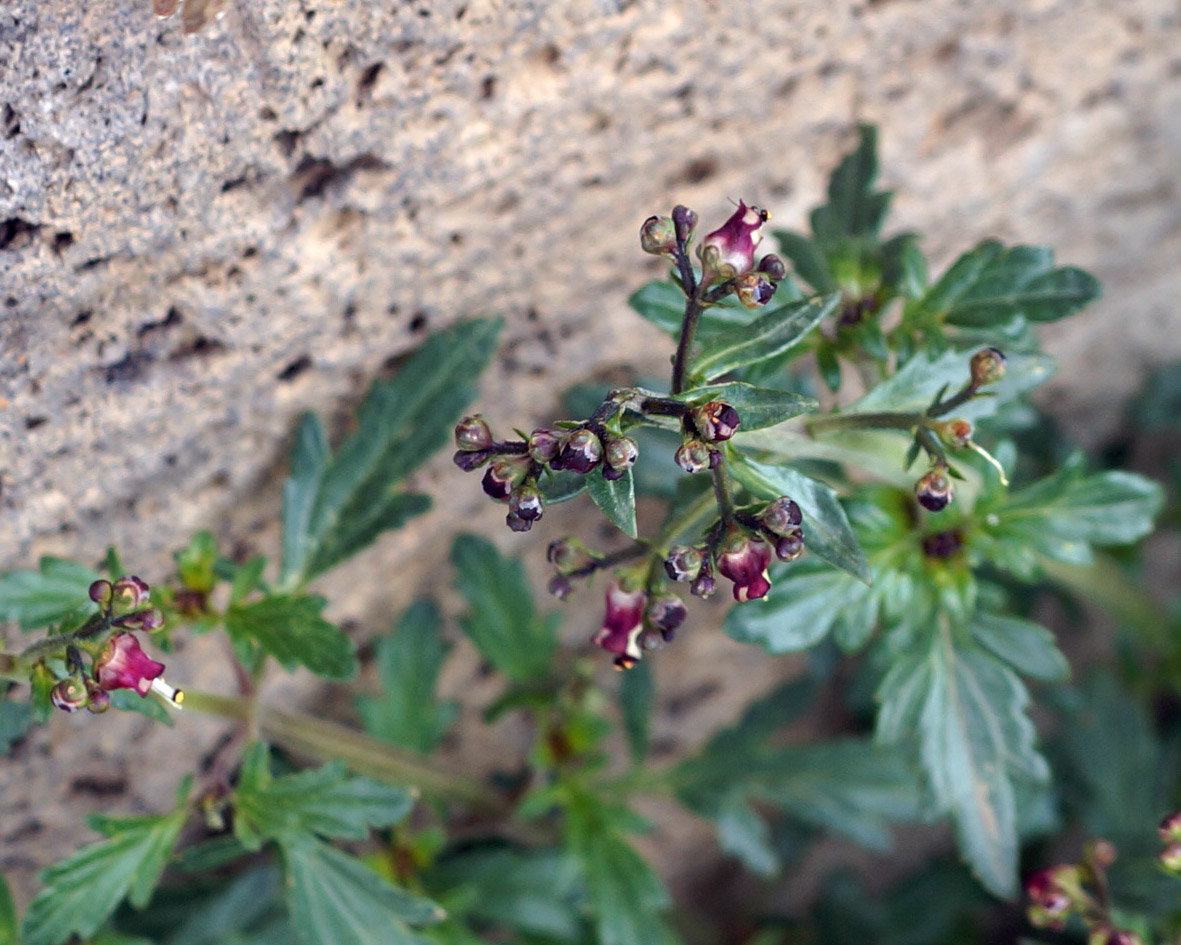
<point>782,523</point>
<point>933,491</point>
<point>514,468</point>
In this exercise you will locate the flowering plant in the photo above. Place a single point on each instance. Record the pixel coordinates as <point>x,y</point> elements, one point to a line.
<point>911,590</point>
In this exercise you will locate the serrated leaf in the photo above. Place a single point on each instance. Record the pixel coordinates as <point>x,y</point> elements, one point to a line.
<point>807,259</point>
<point>914,387</point>
<point>806,600</point>
<point>995,287</point>
<point>326,801</point>
<point>83,890</point>
<point>636,699</point>
<point>1026,646</point>
<point>757,407</point>
<point>334,897</point>
<point>335,506</point>
<point>57,590</point>
<point>291,629</point>
<point>968,710</point>
<point>827,531</point>
<point>663,304</point>
<point>616,498</point>
<point>769,336</point>
<point>501,621</point>
<point>407,712</point>
<point>194,563</point>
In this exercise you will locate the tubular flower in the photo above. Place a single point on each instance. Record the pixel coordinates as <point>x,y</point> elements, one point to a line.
<point>729,251</point>
<point>934,491</point>
<point>744,559</point>
<point>622,625</point>
<point>716,421</point>
<point>122,664</point>
<point>1052,894</point>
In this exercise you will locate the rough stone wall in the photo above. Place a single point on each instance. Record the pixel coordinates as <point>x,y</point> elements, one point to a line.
<point>201,237</point>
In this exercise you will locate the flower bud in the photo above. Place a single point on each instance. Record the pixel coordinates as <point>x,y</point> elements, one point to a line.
<point>684,222</point>
<point>658,236</point>
<point>148,620</point>
<point>470,461</point>
<point>129,592</point>
<point>729,251</point>
<point>988,366</point>
<point>684,563</point>
<point>99,699</point>
<point>100,592</point>
<point>651,639</point>
<point>622,624</point>
<point>473,434</point>
<point>569,556</point>
<point>502,477</point>
<point>704,585</point>
<point>754,289</point>
<point>1170,827</point>
<point>743,558</point>
<point>525,502</point>
<point>715,421</point>
<point>1170,857</point>
<point>581,452</point>
<point>1052,895</point>
<point>665,613</point>
<point>955,433</point>
<point>694,456</point>
<point>933,491</point>
<point>560,587</point>
<point>781,517</point>
<point>620,453</point>
<point>789,547</point>
<point>543,445</point>
<point>122,664</point>
<point>70,694</point>
<point>516,523</point>
<point>774,267</point>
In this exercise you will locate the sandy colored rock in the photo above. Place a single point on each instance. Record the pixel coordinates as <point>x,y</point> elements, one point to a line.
<point>201,237</point>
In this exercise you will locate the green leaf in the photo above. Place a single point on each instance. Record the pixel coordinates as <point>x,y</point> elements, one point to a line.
<point>291,629</point>
<point>616,498</point>
<point>15,719</point>
<point>8,918</point>
<point>561,486</point>
<point>663,304</point>
<point>854,208</point>
<point>335,506</point>
<point>83,890</point>
<point>326,801</point>
<point>827,532</point>
<point>916,384</point>
<point>407,712</point>
<point>502,621</point>
<point>636,698</point>
<point>758,407</point>
<point>334,897</point>
<point>765,338</point>
<point>744,834</point>
<point>807,599</point>
<point>128,700</point>
<point>627,898</point>
<point>807,259</point>
<point>196,561</point>
<point>1069,507</point>
<point>1026,646</point>
<point>58,590</point>
<point>968,710</point>
<point>995,287</point>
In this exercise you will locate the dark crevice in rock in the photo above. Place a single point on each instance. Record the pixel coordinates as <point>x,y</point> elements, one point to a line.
<point>171,318</point>
<point>131,368</point>
<point>16,234</point>
<point>199,347</point>
<point>10,122</point>
<point>313,177</point>
<point>295,368</point>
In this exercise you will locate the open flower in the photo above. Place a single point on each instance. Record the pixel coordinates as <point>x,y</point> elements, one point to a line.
<point>743,558</point>
<point>122,664</point>
<point>622,624</point>
<point>729,251</point>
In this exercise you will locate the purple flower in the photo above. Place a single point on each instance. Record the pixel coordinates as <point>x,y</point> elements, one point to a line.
<point>1052,895</point>
<point>70,694</point>
<point>622,625</point>
<point>129,593</point>
<point>582,452</point>
<point>743,559</point>
<point>754,289</point>
<point>472,434</point>
<point>716,421</point>
<point>123,665</point>
<point>729,251</point>
<point>934,491</point>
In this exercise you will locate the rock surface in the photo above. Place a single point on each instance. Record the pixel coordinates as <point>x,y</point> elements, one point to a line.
<point>202,236</point>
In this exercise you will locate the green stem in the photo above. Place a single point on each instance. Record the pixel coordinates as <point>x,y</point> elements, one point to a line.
<point>966,393</point>
<point>329,741</point>
<point>688,517</point>
<point>888,420</point>
<point>722,496</point>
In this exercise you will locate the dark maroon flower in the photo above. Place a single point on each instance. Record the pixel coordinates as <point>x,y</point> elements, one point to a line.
<point>502,477</point>
<point>743,558</point>
<point>666,612</point>
<point>933,491</point>
<point>569,556</point>
<point>694,456</point>
<point>525,502</point>
<point>658,236</point>
<point>100,592</point>
<point>581,453</point>
<point>129,593</point>
<point>683,563</point>
<point>754,289</point>
<point>70,694</point>
<point>715,421</point>
<point>789,547</point>
<point>1170,827</point>
<point>685,222</point>
<point>471,461</point>
<point>560,587</point>
<point>704,585</point>
<point>1052,894</point>
<point>543,445</point>
<point>781,517</point>
<point>123,665</point>
<point>988,366</point>
<point>622,625</point>
<point>620,453</point>
<point>774,267</point>
<point>99,699</point>
<point>729,251</point>
<point>473,434</point>
<point>148,620</point>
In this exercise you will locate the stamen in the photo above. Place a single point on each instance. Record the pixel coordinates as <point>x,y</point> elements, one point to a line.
<point>1000,470</point>
<point>174,697</point>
